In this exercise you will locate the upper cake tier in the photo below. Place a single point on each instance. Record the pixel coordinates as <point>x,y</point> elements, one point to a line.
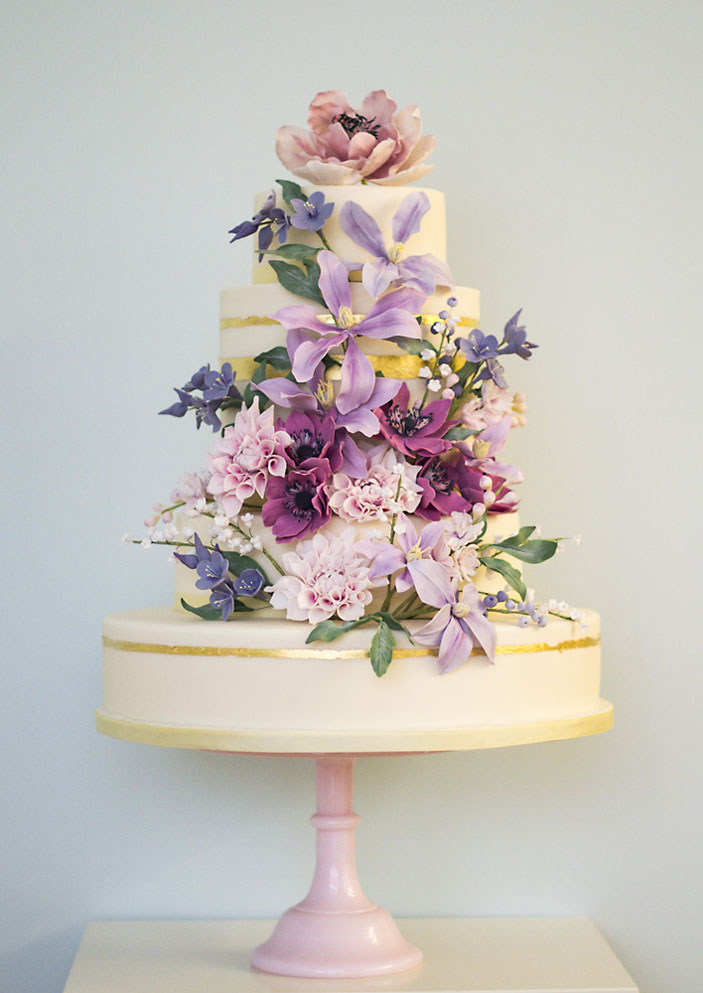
<point>381,202</point>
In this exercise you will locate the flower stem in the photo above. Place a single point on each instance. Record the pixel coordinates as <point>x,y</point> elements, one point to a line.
<point>324,240</point>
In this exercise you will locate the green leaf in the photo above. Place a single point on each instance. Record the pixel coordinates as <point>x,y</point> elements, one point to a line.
<point>238,563</point>
<point>395,624</point>
<point>413,345</point>
<point>301,283</point>
<point>277,357</point>
<point>382,645</point>
<point>466,372</point>
<point>507,571</point>
<point>294,252</point>
<point>518,539</point>
<point>458,433</point>
<point>291,191</point>
<point>531,551</point>
<point>330,630</point>
<point>207,612</point>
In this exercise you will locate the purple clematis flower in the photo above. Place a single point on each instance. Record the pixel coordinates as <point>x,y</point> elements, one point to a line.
<point>296,503</point>
<point>418,272</point>
<point>390,316</point>
<point>460,620</point>
<point>415,430</point>
<point>407,554</point>
<point>480,451</point>
<point>311,214</point>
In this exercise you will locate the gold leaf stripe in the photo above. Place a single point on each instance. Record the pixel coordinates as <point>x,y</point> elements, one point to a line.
<point>254,319</point>
<point>393,366</point>
<point>328,653</point>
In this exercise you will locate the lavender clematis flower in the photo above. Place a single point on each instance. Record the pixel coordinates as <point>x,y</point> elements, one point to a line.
<point>460,620</point>
<point>390,316</point>
<point>418,272</point>
<point>410,550</point>
<point>311,214</point>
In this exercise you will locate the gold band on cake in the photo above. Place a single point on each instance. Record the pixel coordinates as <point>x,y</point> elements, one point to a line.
<point>330,653</point>
<point>254,320</point>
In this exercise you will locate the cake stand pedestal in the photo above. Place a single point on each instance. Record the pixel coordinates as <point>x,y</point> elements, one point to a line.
<point>335,932</point>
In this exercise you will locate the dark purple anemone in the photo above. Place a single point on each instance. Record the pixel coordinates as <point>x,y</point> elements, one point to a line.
<point>439,498</point>
<point>312,439</point>
<point>296,503</point>
<point>415,429</point>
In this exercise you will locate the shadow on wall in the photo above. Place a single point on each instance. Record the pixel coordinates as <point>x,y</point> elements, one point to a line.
<point>43,964</point>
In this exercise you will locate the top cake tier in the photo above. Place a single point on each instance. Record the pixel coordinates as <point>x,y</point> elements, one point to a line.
<point>381,202</point>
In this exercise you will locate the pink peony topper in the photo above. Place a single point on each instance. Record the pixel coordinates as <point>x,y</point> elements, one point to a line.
<point>377,143</point>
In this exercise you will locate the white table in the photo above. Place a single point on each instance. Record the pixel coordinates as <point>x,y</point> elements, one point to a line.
<point>461,955</point>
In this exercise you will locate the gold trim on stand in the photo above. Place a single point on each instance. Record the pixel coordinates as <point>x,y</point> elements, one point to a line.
<point>268,741</point>
<point>329,653</point>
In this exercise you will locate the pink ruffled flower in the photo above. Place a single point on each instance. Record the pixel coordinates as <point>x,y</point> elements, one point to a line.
<point>377,143</point>
<point>492,406</point>
<point>325,577</point>
<point>251,451</point>
<point>376,496</point>
<point>191,490</point>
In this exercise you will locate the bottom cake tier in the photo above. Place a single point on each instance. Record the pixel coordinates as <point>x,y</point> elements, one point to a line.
<point>255,686</point>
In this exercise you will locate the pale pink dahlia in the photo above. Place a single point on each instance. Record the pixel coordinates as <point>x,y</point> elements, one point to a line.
<point>388,487</point>
<point>491,407</point>
<point>377,143</point>
<point>251,451</point>
<point>325,577</point>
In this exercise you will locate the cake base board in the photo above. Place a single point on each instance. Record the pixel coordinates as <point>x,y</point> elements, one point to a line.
<point>461,955</point>
<point>358,742</point>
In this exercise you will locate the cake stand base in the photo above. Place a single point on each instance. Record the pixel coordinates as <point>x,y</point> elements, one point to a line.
<point>461,955</point>
<point>335,932</point>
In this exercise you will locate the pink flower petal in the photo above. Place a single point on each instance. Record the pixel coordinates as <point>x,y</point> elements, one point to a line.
<point>377,276</point>
<point>387,325</point>
<point>358,380</point>
<point>379,106</point>
<point>284,393</point>
<point>431,633</point>
<point>299,316</point>
<point>310,353</point>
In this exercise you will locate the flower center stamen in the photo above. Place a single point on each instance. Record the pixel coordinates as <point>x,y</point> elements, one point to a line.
<point>415,553</point>
<point>395,251</point>
<point>354,123</point>
<point>345,318</point>
<point>461,609</point>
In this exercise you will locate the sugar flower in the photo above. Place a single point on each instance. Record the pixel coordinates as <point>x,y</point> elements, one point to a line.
<point>325,576</point>
<point>380,492</point>
<point>377,143</point>
<point>297,503</point>
<point>312,438</point>
<point>270,221</point>
<point>246,457</point>
<point>416,429</point>
<point>440,495</point>
<point>418,272</point>
<point>407,555</point>
<point>460,621</point>
<point>311,214</point>
<point>191,490</point>
<point>492,405</point>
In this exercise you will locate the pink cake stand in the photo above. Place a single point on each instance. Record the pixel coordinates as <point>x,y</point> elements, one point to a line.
<point>335,931</point>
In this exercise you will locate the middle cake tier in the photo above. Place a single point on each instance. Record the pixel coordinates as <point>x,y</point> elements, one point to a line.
<point>247,327</point>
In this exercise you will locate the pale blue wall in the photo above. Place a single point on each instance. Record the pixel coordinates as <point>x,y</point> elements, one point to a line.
<point>570,153</point>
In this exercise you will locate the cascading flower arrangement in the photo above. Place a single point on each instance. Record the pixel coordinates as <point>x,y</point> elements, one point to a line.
<point>349,501</point>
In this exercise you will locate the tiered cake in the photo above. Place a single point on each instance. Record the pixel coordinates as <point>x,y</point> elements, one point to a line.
<point>356,518</point>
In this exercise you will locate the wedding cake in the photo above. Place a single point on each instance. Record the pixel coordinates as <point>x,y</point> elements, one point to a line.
<point>356,518</point>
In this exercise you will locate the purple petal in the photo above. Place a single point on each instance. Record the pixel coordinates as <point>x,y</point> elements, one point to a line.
<point>309,353</point>
<point>431,633</point>
<point>408,216</point>
<point>284,393</point>
<point>300,316</point>
<point>334,282</point>
<point>361,420</point>
<point>403,299</point>
<point>407,538</point>
<point>377,276</point>
<point>424,272</point>
<point>358,379</point>
<point>383,390</point>
<point>362,229</point>
<point>432,582</point>
<point>387,561</point>
<point>455,646</point>
<point>484,632</point>
<point>431,534</point>
<point>353,460</point>
<point>388,324</point>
